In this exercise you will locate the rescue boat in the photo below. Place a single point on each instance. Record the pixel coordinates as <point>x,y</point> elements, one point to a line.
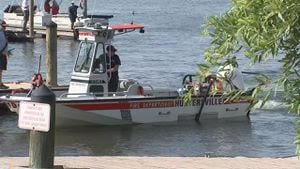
<point>87,100</point>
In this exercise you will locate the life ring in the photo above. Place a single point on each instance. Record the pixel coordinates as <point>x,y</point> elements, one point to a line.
<point>37,80</point>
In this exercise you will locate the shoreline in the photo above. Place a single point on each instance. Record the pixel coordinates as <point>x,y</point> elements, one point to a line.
<point>134,162</point>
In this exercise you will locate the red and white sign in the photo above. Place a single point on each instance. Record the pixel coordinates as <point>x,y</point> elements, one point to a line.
<point>87,36</point>
<point>34,116</point>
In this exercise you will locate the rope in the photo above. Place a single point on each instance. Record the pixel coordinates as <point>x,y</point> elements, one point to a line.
<point>197,117</point>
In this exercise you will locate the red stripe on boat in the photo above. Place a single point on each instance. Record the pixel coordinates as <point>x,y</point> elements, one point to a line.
<point>117,106</point>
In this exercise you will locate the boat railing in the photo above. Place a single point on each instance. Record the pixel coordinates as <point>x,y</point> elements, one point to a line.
<point>94,95</point>
<point>189,77</point>
<point>73,95</point>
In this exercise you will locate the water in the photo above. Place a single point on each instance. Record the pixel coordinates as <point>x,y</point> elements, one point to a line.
<point>170,48</point>
<point>266,134</point>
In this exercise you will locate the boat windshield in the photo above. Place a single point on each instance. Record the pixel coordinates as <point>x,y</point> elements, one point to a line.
<point>85,56</point>
<point>99,65</point>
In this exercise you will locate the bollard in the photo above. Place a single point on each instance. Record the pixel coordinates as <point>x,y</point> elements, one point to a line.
<point>51,56</point>
<point>41,146</point>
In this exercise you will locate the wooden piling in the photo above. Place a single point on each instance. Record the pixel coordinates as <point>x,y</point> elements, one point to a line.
<point>31,19</point>
<point>41,146</point>
<point>51,54</point>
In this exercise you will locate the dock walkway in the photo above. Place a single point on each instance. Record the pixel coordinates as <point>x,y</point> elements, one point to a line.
<point>117,162</point>
<point>41,30</point>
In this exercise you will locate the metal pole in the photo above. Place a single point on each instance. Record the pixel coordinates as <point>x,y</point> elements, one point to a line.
<point>31,19</point>
<point>41,146</point>
<point>51,56</point>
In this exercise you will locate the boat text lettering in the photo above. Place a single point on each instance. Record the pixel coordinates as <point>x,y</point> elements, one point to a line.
<point>198,102</point>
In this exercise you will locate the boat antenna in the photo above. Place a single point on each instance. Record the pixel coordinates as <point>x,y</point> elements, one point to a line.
<point>39,64</point>
<point>94,5</point>
<point>35,76</point>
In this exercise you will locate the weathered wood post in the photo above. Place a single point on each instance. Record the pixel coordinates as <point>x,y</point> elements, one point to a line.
<point>31,19</point>
<point>51,54</point>
<point>41,146</point>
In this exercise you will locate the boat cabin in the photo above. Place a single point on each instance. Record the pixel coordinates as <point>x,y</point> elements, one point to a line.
<point>90,74</point>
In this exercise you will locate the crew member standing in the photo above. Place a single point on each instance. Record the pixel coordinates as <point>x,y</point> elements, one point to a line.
<point>113,68</point>
<point>73,14</point>
<point>25,8</point>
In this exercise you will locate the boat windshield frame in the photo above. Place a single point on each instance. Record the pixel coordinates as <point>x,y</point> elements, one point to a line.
<point>90,56</point>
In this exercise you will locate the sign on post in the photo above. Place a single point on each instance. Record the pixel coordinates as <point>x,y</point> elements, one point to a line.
<point>34,116</point>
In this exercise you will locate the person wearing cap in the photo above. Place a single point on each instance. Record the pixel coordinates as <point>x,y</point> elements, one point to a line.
<point>114,63</point>
<point>3,52</point>
<point>73,14</point>
<point>25,8</point>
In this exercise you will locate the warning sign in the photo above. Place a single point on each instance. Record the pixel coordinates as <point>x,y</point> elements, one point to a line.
<point>34,116</point>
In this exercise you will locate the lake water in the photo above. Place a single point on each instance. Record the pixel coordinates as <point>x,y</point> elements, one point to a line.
<point>170,48</point>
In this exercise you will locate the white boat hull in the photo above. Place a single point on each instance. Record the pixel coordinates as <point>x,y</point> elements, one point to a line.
<point>139,110</point>
<point>147,111</point>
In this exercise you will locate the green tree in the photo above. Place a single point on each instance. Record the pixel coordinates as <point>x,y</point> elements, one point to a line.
<point>261,30</point>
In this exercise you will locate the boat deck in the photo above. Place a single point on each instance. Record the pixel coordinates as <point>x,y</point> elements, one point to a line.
<point>22,85</point>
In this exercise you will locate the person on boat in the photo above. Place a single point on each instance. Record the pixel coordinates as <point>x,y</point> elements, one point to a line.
<point>82,6</point>
<point>25,8</point>
<point>3,52</point>
<point>113,68</point>
<point>73,14</point>
<point>55,8</point>
<point>47,6</point>
<point>233,77</point>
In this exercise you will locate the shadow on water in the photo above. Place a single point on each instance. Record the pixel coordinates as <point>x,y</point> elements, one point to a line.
<point>173,139</point>
<point>259,136</point>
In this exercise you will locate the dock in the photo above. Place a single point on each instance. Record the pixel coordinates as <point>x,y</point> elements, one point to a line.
<point>133,162</point>
<point>39,30</point>
<point>14,33</point>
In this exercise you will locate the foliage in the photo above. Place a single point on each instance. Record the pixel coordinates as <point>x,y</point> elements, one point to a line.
<point>261,30</point>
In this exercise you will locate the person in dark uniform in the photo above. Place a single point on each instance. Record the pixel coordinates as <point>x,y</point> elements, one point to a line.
<point>73,14</point>
<point>113,68</point>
